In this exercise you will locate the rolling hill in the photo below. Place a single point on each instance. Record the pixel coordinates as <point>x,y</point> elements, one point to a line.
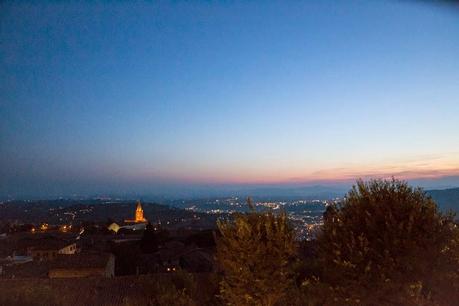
<point>447,199</point>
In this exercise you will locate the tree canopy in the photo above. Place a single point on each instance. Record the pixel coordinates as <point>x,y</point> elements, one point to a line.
<point>387,244</point>
<point>255,252</point>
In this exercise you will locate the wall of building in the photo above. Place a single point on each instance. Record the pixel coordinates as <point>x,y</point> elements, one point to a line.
<point>43,254</point>
<point>76,272</point>
<point>68,250</point>
<point>110,268</point>
<point>51,254</point>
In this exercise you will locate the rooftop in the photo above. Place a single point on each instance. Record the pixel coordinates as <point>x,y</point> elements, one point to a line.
<point>82,260</point>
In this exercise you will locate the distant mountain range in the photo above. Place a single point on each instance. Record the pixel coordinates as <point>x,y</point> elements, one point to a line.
<point>447,199</point>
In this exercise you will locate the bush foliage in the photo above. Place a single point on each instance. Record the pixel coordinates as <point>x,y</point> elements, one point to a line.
<point>387,244</point>
<point>255,253</point>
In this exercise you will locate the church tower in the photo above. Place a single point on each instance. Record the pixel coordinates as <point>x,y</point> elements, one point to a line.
<point>139,213</point>
<point>138,217</point>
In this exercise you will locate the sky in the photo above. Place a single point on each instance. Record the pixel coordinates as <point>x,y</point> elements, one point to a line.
<point>120,97</point>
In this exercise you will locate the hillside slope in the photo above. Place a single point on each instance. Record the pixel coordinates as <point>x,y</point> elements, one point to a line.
<point>447,199</point>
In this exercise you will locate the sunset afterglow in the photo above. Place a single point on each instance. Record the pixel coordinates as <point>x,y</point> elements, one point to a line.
<point>226,93</point>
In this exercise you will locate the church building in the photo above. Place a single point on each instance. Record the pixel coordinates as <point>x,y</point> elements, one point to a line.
<point>138,218</point>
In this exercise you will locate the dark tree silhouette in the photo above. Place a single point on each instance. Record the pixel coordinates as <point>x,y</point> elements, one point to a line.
<point>149,242</point>
<point>254,252</point>
<point>387,244</point>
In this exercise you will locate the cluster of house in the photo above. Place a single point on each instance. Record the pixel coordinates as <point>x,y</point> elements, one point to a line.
<point>179,252</point>
<point>54,256</point>
<point>63,254</point>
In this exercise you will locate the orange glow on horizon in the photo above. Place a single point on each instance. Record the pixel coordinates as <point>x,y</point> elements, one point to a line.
<point>326,175</point>
<point>303,171</point>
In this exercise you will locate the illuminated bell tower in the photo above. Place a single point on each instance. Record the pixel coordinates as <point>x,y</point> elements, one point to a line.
<point>138,217</point>
<point>139,213</point>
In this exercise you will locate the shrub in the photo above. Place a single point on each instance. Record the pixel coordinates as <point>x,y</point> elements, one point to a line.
<point>387,244</point>
<point>255,252</point>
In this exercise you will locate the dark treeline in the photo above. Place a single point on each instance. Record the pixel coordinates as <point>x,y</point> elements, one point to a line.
<point>385,244</point>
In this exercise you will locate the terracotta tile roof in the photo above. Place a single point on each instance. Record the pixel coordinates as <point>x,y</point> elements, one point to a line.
<point>20,242</point>
<point>48,244</point>
<point>82,260</point>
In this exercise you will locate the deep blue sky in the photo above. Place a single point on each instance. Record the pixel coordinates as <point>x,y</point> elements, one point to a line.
<point>125,97</point>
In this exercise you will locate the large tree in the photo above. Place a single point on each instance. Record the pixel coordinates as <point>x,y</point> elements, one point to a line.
<point>255,251</point>
<point>387,244</point>
<point>150,240</point>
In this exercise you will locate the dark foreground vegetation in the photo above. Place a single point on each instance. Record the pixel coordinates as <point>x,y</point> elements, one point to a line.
<point>154,289</point>
<point>385,244</point>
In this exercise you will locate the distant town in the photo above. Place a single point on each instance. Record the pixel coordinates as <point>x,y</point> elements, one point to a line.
<point>104,238</point>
